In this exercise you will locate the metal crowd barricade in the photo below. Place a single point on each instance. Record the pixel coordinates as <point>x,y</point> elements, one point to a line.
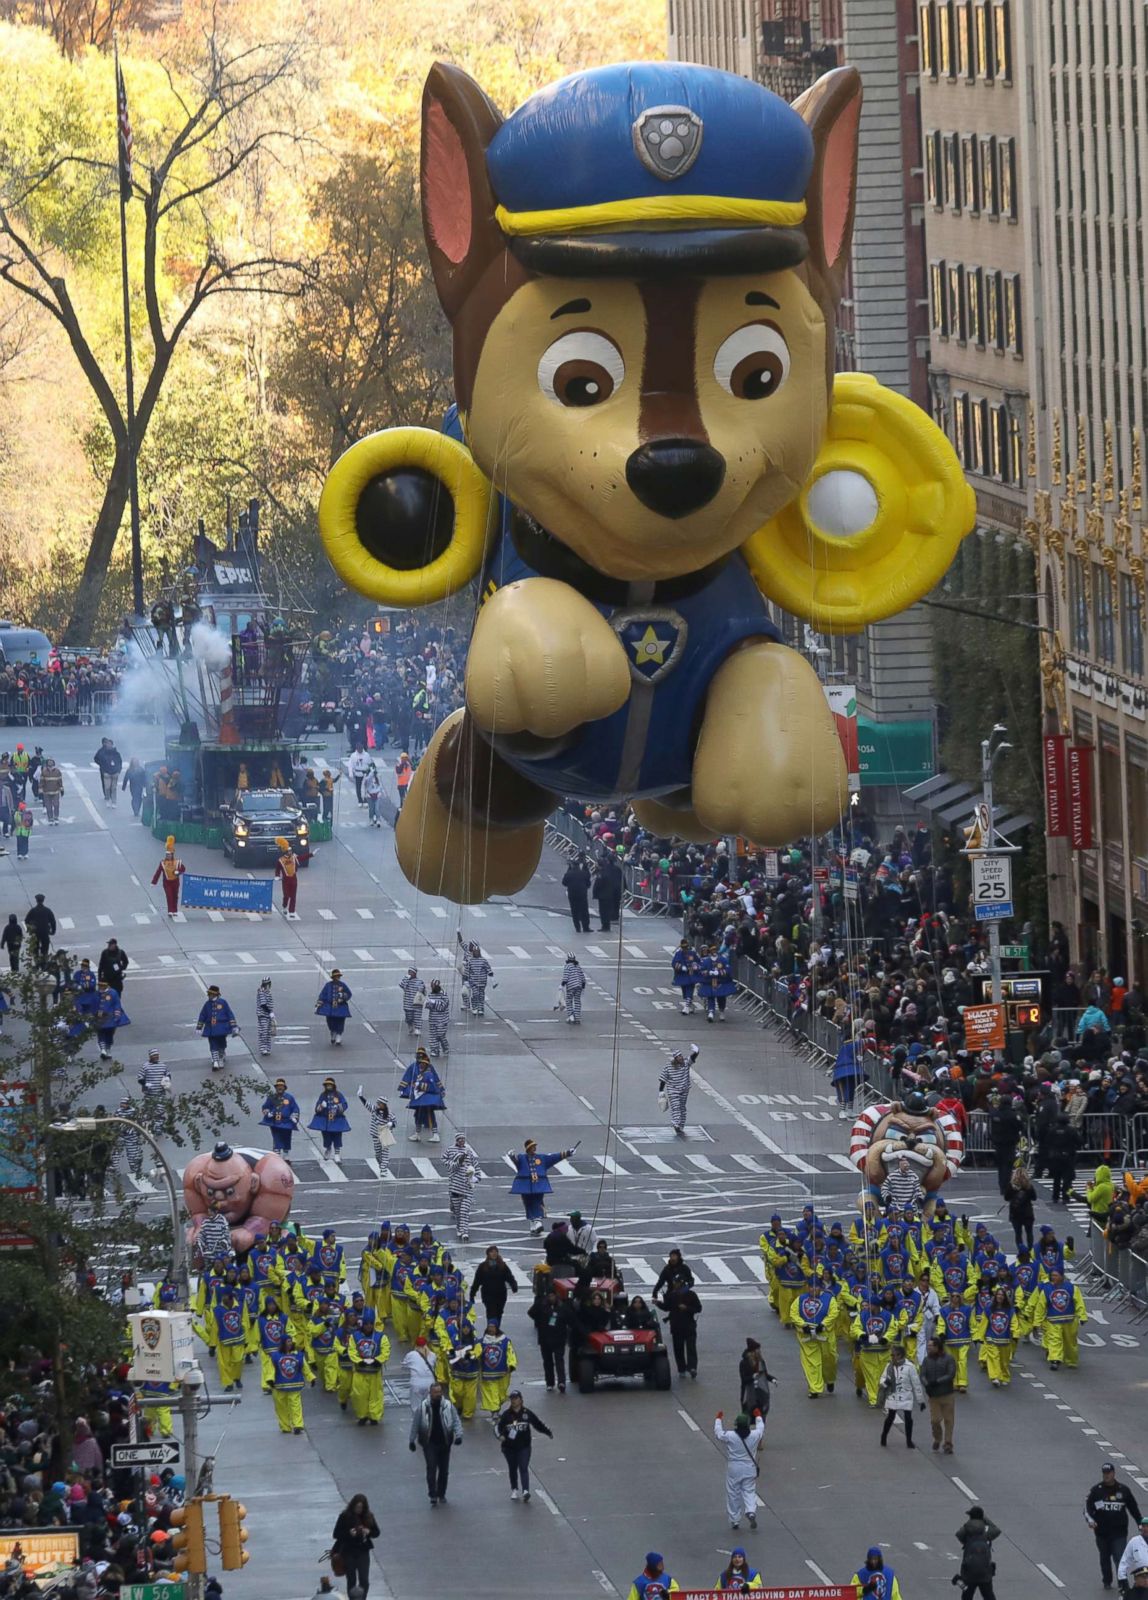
<point>1064,1020</point>
<point>1104,1136</point>
<point>1136,1154</point>
<point>15,708</point>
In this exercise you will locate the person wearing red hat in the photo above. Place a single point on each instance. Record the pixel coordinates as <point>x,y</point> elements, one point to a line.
<point>169,872</point>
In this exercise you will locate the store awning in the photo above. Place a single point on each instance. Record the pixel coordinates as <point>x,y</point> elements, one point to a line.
<point>946,799</point>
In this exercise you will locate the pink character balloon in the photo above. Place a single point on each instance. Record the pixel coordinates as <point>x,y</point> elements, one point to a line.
<point>253,1193</point>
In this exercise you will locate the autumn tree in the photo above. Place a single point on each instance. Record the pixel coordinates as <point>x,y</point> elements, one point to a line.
<point>225,121</point>
<point>76,25</point>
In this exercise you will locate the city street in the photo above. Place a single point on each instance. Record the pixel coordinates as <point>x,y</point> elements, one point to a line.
<point>629,1470</point>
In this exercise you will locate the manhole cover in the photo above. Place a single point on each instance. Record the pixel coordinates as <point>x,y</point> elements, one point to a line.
<point>662,1133</point>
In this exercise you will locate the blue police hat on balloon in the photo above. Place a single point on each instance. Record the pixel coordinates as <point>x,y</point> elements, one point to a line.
<point>621,168</point>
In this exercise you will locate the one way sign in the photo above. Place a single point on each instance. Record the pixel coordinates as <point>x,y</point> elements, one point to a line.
<point>164,1453</point>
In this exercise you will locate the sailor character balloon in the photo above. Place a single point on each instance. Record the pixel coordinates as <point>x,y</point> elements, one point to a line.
<point>641,267</point>
<point>929,1140</point>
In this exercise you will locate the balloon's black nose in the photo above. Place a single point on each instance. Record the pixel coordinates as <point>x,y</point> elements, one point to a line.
<point>675,476</point>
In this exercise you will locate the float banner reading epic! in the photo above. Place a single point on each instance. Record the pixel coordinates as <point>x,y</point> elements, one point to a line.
<point>1080,796</point>
<point>226,894</point>
<point>1056,785</point>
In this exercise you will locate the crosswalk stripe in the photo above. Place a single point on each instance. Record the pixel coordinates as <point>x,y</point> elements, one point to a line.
<point>246,959</point>
<point>842,1161</point>
<point>215,916</point>
<point>167,961</point>
<point>103,921</point>
<point>703,1163</point>
<point>334,1171</point>
<point>613,1168</point>
<point>179,917</point>
<point>443,953</point>
<point>141,917</point>
<point>254,916</point>
<point>517,950</point>
<point>556,950</point>
<point>374,1166</point>
<point>655,1163</point>
<point>403,955</point>
<point>642,1270</point>
<point>566,1170</point>
<point>400,912</point>
<point>67,922</point>
<point>437,911</point>
<point>286,957</point>
<point>327,916</point>
<point>796,1162</point>
<point>476,911</point>
<point>670,949</point>
<point>365,912</point>
<point>596,950</point>
<point>425,1168</point>
<point>327,957</point>
<point>205,959</point>
<point>364,955</point>
<point>635,950</point>
<point>756,1265</point>
<point>750,1163</point>
<point>719,1269</point>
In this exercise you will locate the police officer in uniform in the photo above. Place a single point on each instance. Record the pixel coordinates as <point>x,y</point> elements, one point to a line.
<point>1106,1510</point>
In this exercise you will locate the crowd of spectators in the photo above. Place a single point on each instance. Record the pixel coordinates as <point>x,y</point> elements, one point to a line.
<point>390,688</point>
<point>122,1523</point>
<point>66,687</point>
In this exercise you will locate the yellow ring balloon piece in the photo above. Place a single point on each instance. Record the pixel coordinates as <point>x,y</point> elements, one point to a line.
<point>879,520</point>
<point>473,504</point>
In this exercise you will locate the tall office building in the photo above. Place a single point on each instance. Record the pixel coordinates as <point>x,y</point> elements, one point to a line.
<point>883,328</point>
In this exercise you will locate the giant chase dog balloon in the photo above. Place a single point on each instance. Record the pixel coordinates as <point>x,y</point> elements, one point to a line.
<point>641,267</point>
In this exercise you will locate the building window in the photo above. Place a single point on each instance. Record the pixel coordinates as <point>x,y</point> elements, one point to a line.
<point>956,307</point>
<point>989,177</point>
<point>932,166</point>
<point>952,173</point>
<point>1012,329</point>
<point>1002,39</point>
<point>979,440</point>
<point>963,40</point>
<point>961,427</point>
<point>1103,616</point>
<point>937,297</point>
<point>1015,452</point>
<point>994,323</point>
<point>974,291</point>
<point>1078,605</point>
<point>984,41</point>
<point>1132,625</point>
<point>928,42</point>
<point>945,58</point>
<point>1006,186</point>
<point>970,185</point>
<point>997,441</point>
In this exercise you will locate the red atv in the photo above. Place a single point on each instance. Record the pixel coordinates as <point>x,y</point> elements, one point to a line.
<point>615,1352</point>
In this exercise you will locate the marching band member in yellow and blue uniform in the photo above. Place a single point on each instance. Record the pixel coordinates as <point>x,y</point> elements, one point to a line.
<point>956,1323</point>
<point>160,1415</point>
<point>289,1373</point>
<point>497,1361</point>
<point>814,1316</point>
<point>738,1576</point>
<point>999,1339</point>
<point>1059,1314</point>
<point>272,1328</point>
<point>876,1327</point>
<point>231,1329</point>
<point>327,1257</point>
<point>369,1349</point>
<point>323,1330</point>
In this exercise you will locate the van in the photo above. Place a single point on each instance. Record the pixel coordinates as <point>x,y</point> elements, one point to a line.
<point>21,645</point>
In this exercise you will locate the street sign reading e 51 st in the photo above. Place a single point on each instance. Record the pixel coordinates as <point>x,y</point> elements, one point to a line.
<point>992,887</point>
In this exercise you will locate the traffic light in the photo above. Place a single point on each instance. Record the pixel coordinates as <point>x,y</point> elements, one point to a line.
<point>189,1543</point>
<point>232,1533</point>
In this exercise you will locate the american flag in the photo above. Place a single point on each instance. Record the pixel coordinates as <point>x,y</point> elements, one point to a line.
<point>124,125</point>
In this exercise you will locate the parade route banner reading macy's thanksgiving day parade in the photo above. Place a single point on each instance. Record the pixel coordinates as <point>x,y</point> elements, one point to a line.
<point>841,1591</point>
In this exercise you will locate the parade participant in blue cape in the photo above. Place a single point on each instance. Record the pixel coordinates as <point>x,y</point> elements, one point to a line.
<point>531,1179</point>
<point>110,1015</point>
<point>334,1004</point>
<point>685,963</point>
<point>877,1581</point>
<point>217,1024</point>
<point>715,982</point>
<point>330,1120</point>
<point>86,990</point>
<point>629,293</point>
<point>422,1088</point>
<point>280,1114</point>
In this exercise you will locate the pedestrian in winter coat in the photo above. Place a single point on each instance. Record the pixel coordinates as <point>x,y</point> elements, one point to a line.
<point>570,987</point>
<point>135,779</point>
<point>353,1536</point>
<point>515,1429</point>
<point>217,1024</point>
<point>330,1119</point>
<point>492,1282</point>
<point>674,1086</point>
<point>420,1367</point>
<point>607,890</point>
<point>11,940</point>
<point>938,1379</point>
<point>40,922</point>
<point>414,993</point>
<point>51,791</point>
<point>265,1017</point>
<point>975,1538</point>
<point>901,1385</point>
<point>576,882</point>
<point>108,759</point>
<point>1020,1197</point>
<point>334,1004</point>
<point>740,1444</point>
<point>281,1115</point>
<point>1107,1508</point>
<point>113,964</point>
<point>437,1427</point>
<point>552,1327</point>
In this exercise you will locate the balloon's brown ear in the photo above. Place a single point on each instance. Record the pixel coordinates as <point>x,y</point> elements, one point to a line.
<point>462,236</point>
<point>832,109</point>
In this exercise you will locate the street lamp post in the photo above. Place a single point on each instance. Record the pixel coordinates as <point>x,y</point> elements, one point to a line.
<point>188,1398</point>
<point>990,753</point>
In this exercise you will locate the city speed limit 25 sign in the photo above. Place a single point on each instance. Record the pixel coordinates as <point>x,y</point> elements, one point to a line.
<point>992,887</point>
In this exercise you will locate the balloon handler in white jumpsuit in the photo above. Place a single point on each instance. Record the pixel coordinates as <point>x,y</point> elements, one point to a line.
<point>740,1444</point>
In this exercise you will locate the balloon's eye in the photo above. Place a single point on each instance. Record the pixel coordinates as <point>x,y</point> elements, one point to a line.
<point>753,362</point>
<point>582,368</point>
